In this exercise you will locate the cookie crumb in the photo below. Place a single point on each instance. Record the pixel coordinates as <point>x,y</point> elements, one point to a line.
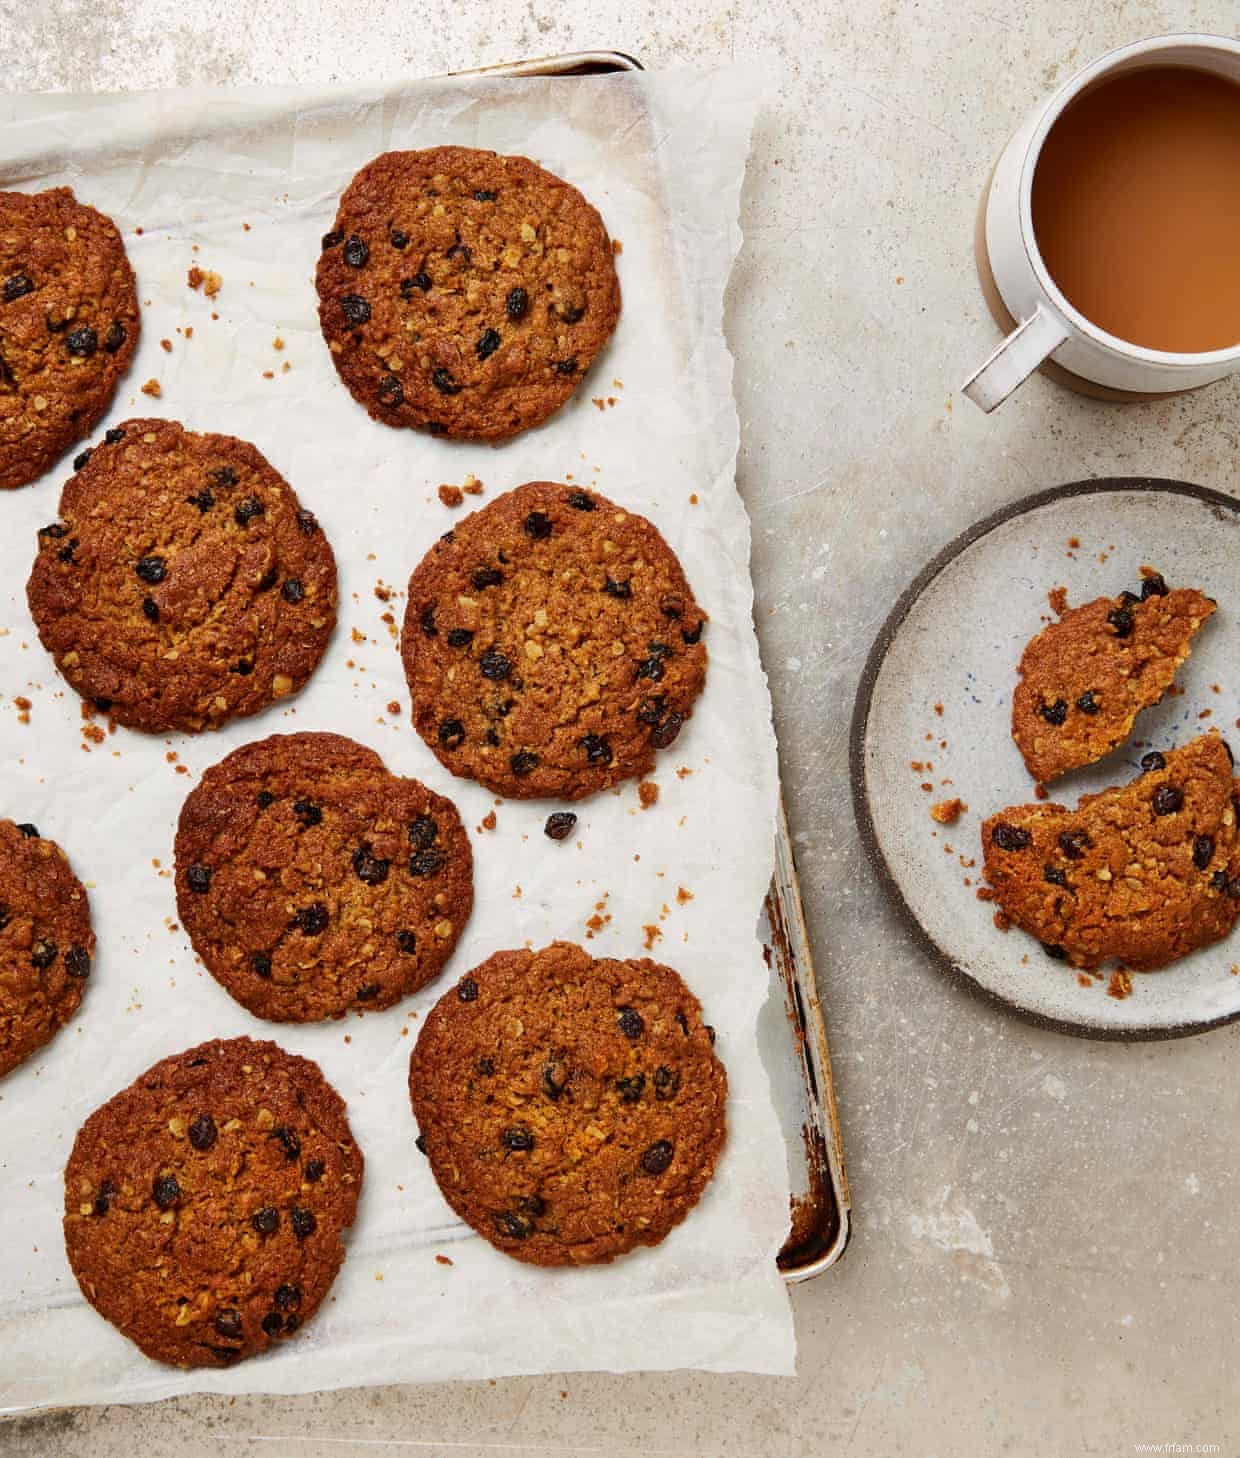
<point>166,345</point>
<point>1120,985</point>
<point>443,1260</point>
<point>205,279</point>
<point>682,895</point>
<point>653,934</point>
<point>648,793</point>
<point>394,706</point>
<point>471,486</point>
<point>1058,599</point>
<point>489,822</point>
<point>277,343</point>
<point>24,707</point>
<point>947,812</point>
<point>153,388</point>
<point>451,495</point>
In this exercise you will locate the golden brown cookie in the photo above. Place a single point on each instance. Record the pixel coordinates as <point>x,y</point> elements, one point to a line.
<point>46,942</point>
<point>1085,678</point>
<point>1145,872</point>
<point>313,882</point>
<point>571,1108</point>
<point>464,293</point>
<point>183,585</point>
<point>551,644</point>
<point>69,325</point>
<point>205,1203</point>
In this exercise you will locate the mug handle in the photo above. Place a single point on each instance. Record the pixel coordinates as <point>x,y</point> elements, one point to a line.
<point>1031,342</point>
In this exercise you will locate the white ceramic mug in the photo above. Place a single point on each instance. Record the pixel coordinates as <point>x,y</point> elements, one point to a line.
<point>1049,327</point>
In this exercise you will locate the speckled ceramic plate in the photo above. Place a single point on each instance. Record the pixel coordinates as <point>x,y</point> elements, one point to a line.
<point>932,721</point>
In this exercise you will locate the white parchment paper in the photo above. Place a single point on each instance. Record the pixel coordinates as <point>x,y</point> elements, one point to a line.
<point>252,179</point>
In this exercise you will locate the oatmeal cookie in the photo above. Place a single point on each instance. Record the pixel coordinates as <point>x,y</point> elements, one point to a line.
<point>46,942</point>
<point>312,881</point>
<point>552,644</point>
<point>464,293</point>
<point>1085,678</point>
<point>572,1109</point>
<point>205,1204</point>
<point>183,585</point>
<point>69,324</point>
<point>1144,872</point>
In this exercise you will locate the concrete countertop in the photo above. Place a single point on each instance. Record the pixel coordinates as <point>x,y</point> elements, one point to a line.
<point>1045,1228</point>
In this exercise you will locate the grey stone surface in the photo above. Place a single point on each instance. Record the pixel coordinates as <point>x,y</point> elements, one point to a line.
<point>1044,1254</point>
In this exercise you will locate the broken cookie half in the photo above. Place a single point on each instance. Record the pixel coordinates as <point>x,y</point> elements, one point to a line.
<point>1085,678</point>
<point>1144,872</point>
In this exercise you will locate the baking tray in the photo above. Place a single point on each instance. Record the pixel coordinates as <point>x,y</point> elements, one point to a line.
<point>791,1033</point>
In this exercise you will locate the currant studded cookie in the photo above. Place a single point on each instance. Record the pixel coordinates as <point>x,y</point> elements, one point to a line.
<point>46,942</point>
<point>1085,678</point>
<point>69,325</point>
<point>313,882</point>
<point>552,644</point>
<point>183,584</point>
<point>464,293</point>
<point>571,1108</point>
<point>1145,872</point>
<point>206,1204</point>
